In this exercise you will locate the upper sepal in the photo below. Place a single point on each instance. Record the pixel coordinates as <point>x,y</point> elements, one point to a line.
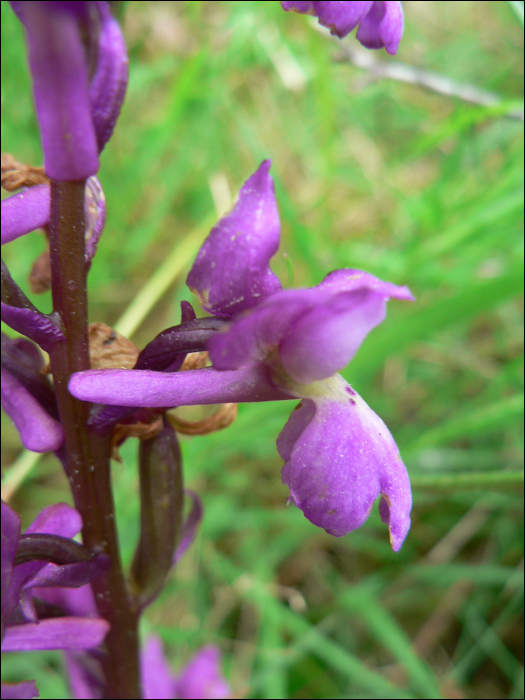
<point>231,273</point>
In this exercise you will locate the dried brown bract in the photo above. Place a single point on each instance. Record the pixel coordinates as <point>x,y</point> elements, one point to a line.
<point>16,175</point>
<point>109,349</point>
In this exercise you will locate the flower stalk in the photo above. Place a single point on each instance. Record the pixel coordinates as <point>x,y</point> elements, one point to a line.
<point>88,452</point>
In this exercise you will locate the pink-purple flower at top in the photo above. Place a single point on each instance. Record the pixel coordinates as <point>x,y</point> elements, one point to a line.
<point>285,344</point>
<point>78,63</point>
<point>201,678</point>
<point>380,23</point>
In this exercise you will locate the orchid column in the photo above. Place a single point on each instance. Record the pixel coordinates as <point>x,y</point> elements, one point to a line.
<point>78,66</point>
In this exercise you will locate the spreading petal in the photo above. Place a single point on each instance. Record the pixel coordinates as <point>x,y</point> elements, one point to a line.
<point>130,387</point>
<point>316,331</point>
<point>231,273</point>
<point>339,457</point>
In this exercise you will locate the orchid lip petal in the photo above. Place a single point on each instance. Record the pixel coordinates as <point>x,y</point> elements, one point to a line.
<point>339,458</point>
<point>190,388</point>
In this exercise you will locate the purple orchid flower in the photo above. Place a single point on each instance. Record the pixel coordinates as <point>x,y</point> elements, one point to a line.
<point>46,556</point>
<point>84,671</point>
<point>380,23</point>
<point>285,344</point>
<point>77,106</point>
<point>201,677</point>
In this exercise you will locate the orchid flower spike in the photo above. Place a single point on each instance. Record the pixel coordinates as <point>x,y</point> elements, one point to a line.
<point>380,23</point>
<point>285,344</point>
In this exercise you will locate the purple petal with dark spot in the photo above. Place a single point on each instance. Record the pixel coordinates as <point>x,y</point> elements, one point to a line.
<point>339,457</point>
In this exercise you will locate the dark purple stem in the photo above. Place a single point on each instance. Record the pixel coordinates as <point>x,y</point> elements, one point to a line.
<point>88,452</point>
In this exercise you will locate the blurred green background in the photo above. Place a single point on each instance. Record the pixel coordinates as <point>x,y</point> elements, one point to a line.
<point>414,186</point>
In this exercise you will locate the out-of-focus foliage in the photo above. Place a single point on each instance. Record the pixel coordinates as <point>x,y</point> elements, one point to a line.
<point>410,185</point>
